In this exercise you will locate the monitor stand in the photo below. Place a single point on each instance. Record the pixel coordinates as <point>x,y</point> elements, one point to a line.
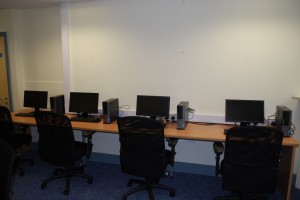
<point>245,124</point>
<point>83,115</point>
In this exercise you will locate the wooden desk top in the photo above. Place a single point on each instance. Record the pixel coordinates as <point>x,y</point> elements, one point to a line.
<point>98,127</point>
<point>193,131</point>
<point>210,132</point>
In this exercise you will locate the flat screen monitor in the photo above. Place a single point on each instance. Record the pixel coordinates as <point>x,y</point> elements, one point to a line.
<point>83,103</point>
<point>244,112</point>
<point>153,106</point>
<point>35,99</point>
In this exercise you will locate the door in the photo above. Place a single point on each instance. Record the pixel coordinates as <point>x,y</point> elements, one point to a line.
<point>4,85</point>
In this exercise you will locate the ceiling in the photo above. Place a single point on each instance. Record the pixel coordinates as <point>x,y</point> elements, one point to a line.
<point>23,4</point>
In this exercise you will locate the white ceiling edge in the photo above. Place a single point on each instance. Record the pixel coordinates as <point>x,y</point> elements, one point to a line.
<point>27,4</point>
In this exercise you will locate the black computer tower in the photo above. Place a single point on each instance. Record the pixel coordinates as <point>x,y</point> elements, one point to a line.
<point>182,114</point>
<point>57,104</point>
<point>283,119</point>
<point>110,110</point>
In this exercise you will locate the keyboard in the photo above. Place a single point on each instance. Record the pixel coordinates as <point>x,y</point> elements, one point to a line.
<point>25,114</point>
<point>86,119</point>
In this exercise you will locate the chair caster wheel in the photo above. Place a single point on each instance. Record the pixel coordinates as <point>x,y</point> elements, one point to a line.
<point>66,191</point>
<point>31,163</point>
<point>57,171</point>
<point>172,194</point>
<point>90,181</point>
<point>43,185</point>
<point>124,198</point>
<point>129,184</point>
<point>21,173</point>
<point>80,170</point>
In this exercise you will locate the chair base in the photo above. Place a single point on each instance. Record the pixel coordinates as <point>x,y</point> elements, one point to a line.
<point>144,185</point>
<point>67,173</point>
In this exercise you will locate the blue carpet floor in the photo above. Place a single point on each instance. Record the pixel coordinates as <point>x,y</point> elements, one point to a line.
<point>109,184</point>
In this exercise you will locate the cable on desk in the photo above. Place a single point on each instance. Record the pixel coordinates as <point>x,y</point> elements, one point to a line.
<point>100,114</point>
<point>293,128</point>
<point>268,119</point>
<point>191,111</point>
<point>210,123</point>
<point>122,108</point>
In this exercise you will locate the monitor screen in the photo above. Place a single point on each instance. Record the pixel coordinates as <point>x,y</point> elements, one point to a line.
<point>35,99</point>
<point>244,111</point>
<point>153,106</point>
<point>83,103</point>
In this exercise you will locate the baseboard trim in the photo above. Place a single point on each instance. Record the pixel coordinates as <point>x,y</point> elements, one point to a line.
<point>178,167</point>
<point>183,167</point>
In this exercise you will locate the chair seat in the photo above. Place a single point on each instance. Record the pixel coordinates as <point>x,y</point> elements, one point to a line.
<point>143,154</point>
<point>251,161</point>
<point>57,146</point>
<point>19,141</point>
<point>7,156</point>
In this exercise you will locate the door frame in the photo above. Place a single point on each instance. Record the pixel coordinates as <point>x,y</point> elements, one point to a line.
<point>4,35</point>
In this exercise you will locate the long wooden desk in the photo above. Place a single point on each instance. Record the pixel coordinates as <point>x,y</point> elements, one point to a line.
<point>200,132</point>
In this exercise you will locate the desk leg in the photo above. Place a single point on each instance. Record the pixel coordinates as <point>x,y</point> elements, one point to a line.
<point>87,137</point>
<point>286,172</point>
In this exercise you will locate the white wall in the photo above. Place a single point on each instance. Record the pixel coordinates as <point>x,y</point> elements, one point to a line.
<point>201,51</point>
<point>35,51</point>
<point>8,24</point>
<point>41,50</point>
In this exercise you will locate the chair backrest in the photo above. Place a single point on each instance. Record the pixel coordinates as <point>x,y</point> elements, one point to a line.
<point>7,129</point>
<point>7,157</point>
<point>142,147</point>
<point>251,159</point>
<point>56,138</point>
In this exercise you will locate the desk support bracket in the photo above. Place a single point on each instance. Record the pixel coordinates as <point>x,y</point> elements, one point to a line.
<point>172,143</point>
<point>87,137</point>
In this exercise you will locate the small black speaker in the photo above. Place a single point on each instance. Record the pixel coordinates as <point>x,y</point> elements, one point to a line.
<point>57,104</point>
<point>182,114</point>
<point>110,110</point>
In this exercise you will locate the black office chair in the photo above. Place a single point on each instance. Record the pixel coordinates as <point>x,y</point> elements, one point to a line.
<point>7,157</point>
<point>58,147</point>
<point>16,140</point>
<point>143,154</point>
<point>251,161</point>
